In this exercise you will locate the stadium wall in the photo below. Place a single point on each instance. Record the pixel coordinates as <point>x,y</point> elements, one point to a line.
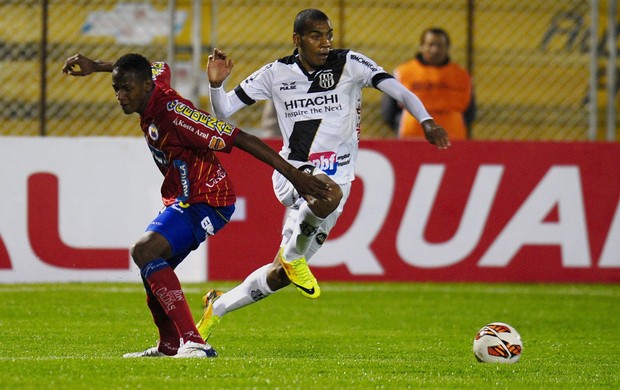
<point>482,211</point>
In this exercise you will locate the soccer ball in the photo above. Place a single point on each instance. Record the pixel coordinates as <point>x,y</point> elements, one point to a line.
<point>498,342</point>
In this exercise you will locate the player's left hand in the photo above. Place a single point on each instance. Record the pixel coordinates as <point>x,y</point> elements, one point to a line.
<point>436,134</point>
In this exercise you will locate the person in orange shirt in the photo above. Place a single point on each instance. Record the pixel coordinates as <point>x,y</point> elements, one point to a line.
<point>444,87</point>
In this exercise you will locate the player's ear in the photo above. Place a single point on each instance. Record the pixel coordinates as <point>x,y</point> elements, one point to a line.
<point>296,39</point>
<point>148,85</point>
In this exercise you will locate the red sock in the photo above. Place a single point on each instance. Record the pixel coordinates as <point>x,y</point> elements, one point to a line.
<point>167,289</point>
<point>168,334</point>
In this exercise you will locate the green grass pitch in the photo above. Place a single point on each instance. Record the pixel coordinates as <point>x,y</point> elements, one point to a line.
<point>356,335</point>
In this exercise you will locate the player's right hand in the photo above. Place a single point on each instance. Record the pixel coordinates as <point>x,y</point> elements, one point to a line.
<point>436,134</point>
<point>219,67</point>
<point>78,65</point>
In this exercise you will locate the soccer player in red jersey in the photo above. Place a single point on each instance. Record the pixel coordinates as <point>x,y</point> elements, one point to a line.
<point>197,192</point>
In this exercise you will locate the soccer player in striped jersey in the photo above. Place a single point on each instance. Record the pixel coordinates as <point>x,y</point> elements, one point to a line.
<point>317,95</point>
<point>197,193</point>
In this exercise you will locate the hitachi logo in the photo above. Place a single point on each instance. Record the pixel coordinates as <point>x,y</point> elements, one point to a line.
<point>309,102</point>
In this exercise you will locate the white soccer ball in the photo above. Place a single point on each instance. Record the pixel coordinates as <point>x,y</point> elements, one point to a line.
<point>498,342</point>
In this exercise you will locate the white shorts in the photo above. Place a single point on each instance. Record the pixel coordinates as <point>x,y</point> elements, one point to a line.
<point>288,196</point>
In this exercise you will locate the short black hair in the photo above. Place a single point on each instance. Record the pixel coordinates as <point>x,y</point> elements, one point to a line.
<point>305,16</point>
<point>435,31</point>
<point>135,63</point>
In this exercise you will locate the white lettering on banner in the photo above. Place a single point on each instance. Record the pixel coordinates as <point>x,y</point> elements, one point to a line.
<point>610,258</point>
<point>353,248</point>
<point>505,225</point>
<point>561,186</point>
<point>410,242</point>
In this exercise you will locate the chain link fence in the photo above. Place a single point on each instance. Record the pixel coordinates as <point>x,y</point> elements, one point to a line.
<point>529,60</point>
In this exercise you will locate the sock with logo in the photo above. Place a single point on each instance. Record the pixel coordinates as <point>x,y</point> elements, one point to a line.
<point>167,289</point>
<point>168,334</point>
<point>303,232</point>
<point>251,290</point>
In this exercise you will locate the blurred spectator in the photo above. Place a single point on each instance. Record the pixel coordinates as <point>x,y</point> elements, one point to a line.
<point>444,87</point>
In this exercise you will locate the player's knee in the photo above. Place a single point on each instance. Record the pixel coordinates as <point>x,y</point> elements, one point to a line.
<point>149,247</point>
<point>323,208</point>
<point>138,252</point>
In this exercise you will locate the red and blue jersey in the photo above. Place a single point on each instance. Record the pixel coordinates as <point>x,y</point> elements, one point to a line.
<point>183,141</point>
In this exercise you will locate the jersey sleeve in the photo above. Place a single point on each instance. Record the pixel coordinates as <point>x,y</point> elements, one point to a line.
<point>370,74</point>
<point>199,129</point>
<point>223,103</point>
<point>256,86</point>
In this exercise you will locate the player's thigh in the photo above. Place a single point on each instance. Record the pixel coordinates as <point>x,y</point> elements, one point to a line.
<point>186,227</point>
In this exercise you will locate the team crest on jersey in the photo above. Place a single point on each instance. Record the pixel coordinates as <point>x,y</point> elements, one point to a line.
<point>153,132</point>
<point>326,79</point>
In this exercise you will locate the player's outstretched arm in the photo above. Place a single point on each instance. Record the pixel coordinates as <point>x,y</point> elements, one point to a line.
<point>219,67</point>
<point>434,133</point>
<point>306,185</point>
<point>80,65</point>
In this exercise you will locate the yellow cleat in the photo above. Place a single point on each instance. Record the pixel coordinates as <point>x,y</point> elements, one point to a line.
<point>208,321</point>
<point>300,275</point>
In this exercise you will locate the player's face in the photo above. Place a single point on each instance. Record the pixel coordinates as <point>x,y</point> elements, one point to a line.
<point>131,92</point>
<point>434,48</point>
<point>315,44</point>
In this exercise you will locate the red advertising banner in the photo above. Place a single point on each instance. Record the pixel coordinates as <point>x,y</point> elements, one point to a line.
<point>479,211</point>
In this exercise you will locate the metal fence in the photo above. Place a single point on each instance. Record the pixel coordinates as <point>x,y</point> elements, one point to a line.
<point>530,60</point>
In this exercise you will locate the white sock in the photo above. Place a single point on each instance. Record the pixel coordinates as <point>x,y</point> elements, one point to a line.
<point>251,290</point>
<point>303,232</point>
